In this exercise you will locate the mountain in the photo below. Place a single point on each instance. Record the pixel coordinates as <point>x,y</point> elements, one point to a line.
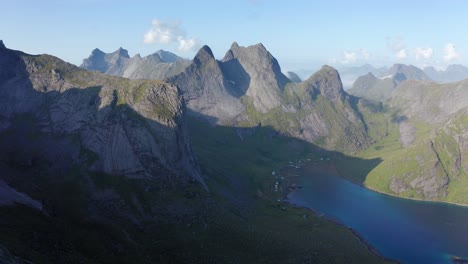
<point>159,65</point>
<point>167,56</point>
<point>379,89</point>
<point>208,91</point>
<point>95,167</point>
<point>265,79</point>
<point>350,74</point>
<point>453,73</point>
<point>248,89</point>
<point>293,77</point>
<point>111,63</point>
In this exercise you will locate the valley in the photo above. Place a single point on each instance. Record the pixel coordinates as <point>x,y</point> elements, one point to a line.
<point>171,160</point>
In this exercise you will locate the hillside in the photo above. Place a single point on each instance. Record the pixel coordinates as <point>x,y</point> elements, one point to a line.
<point>424,155</point>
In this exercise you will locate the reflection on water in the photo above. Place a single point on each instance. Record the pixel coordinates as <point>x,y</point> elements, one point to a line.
<point>406,230</point>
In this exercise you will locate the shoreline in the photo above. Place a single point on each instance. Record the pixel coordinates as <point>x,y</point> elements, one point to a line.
<point>392,195</point>
<point>330,169</point>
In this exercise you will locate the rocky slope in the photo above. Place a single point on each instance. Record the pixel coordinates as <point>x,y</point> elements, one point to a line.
<point>159,65</point>
<point>128,128</point>
<point>428,160</point>
<point>379,89</point>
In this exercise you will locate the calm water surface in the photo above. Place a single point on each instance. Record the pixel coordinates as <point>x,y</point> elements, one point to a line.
<point>405,230</point>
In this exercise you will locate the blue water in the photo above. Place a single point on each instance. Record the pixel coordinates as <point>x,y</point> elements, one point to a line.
<point>400,229</point>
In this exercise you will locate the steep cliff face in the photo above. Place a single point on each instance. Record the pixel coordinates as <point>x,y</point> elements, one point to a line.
<point>265,81</point>
<point>130,128</point>
<point>207,90</point>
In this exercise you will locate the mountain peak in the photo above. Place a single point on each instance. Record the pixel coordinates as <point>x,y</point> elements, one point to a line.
<point>97,51</point>
<point>260,46</point>
<point>2,46</point>
<point>122,52</point>
<point>203,55</point>
<point>328,81</point>
<point>234,45</point>
<point>167,56</point>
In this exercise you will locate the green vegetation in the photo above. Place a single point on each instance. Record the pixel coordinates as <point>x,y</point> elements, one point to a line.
<point>271,231</point>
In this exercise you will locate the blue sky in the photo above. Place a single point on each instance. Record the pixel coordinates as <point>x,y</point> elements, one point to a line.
<point>300,34</point>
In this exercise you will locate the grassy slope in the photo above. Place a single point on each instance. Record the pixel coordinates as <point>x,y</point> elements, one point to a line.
<point>272,231</point>
<point>405,163</point>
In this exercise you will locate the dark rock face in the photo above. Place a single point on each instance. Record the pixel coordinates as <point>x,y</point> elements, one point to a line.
<point>134,128</point>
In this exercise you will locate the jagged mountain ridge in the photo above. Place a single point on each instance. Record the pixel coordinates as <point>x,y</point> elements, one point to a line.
<point>159,65</point>
<point>247,88</point>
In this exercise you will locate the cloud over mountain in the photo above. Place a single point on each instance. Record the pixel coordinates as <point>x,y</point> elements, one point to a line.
<point>423,53</point>
<point>162,32</point>
<point>450,53</point>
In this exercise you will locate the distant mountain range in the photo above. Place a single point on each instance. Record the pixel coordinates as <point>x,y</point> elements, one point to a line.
<point>159,65</point>
<point>380,88</point>
<point>453,73</point>
<point>350,74</point>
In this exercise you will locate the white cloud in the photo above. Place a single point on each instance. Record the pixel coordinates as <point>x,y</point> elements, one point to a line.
<point>350,57</point>
<point>423,53</point>
<point>450,53</point>
<point>188,44</point>
<point>397,45</point>
<point>170,33</point>
<point>401,54</point>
